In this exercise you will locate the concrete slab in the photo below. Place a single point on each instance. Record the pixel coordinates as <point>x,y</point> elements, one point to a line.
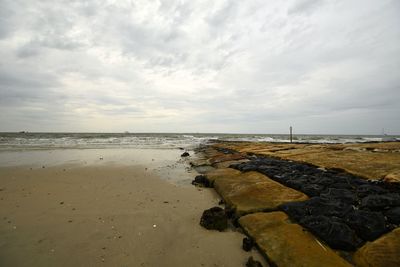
<point>252,191</point>
<point>383,252</point>
<point>287,244</point>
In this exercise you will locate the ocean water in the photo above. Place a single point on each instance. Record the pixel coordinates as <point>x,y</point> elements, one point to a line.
<point>160,140</point>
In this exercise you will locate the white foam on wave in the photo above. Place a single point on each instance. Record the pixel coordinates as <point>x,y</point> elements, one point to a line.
<point>167,141</point>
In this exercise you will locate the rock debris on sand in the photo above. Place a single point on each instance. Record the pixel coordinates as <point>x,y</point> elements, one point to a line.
<point>214,219</point>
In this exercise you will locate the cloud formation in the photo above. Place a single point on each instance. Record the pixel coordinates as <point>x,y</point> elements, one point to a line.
<point>200,66</point>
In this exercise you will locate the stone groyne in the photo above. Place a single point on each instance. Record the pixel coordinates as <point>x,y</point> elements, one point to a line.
<point>311,205</point>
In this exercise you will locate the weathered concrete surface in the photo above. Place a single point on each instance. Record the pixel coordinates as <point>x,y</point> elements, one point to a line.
<point>344,210</point>
<point>372,160</point>
<point>287,244</point>
<point>251,191</point>
<point>226,164</point>
<point>226,157</point>
<point>209,158</point>
<point>226,173</point>
<point>383,252</point>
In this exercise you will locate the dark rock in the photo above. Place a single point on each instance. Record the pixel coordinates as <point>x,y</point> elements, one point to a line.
<point>315,206</point>
<point>185,154</point>
<point>247,244</point>
<point>333,230</point>
<point>230,212</point>
<point>341,185</point>
<point>370,189</point>
<point>201,180</point>
<point>393,215</point>
<point>378,202</point>
<point>214,219</point>
<point>253,263</point>
<point>226,150</point>
<point>311,189</point>
<point>343,195</point>
<point>367,224</point>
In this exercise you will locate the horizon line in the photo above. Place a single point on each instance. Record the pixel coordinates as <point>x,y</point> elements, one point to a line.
<point>204,133</point>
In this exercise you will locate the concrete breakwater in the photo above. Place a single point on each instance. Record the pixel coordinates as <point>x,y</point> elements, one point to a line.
<point>303,214</point>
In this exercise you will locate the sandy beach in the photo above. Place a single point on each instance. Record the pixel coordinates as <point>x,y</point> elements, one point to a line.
<point>89,211</point>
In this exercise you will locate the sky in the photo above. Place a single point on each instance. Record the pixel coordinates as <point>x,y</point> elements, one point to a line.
<point>254,66</point>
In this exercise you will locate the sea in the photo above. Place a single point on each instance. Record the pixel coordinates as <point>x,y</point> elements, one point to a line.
<point>27,140</point>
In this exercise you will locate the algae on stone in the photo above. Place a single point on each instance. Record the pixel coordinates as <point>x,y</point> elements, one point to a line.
<point>252,191</point>
<point>222,173</point>
<point>383,252</point>
<point>371,160</point>
<point>287,244</point>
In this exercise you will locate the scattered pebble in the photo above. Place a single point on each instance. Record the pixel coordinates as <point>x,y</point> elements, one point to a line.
<point>62,202</point>
<point>154,225</point>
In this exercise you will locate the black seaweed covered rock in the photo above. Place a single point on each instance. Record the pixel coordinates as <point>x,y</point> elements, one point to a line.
<point>393,215</point>
<point>344,210</point>
<point>247,244</point>
<point>185,154</point>
<point>370,189</point>
<point>226,150</point>
<point>368,225</point>
<point>253,263</point>
<point>214,219</point>
<point>201,180</point>
<point>314,207</point>
<point>343,195</point>
<point>378,202</point>
<point>333,230</point>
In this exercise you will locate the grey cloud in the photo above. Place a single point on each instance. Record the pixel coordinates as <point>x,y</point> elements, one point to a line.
<point>221,15</point>
<point>304,6</point>
<point>248,66</point>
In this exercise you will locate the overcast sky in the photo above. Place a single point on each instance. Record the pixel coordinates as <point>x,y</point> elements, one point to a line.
<point>251,66</point>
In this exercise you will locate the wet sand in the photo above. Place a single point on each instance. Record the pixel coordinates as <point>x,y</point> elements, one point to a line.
<point>109,214</point>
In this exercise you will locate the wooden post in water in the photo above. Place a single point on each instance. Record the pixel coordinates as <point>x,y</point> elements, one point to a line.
<point>291,136</point>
